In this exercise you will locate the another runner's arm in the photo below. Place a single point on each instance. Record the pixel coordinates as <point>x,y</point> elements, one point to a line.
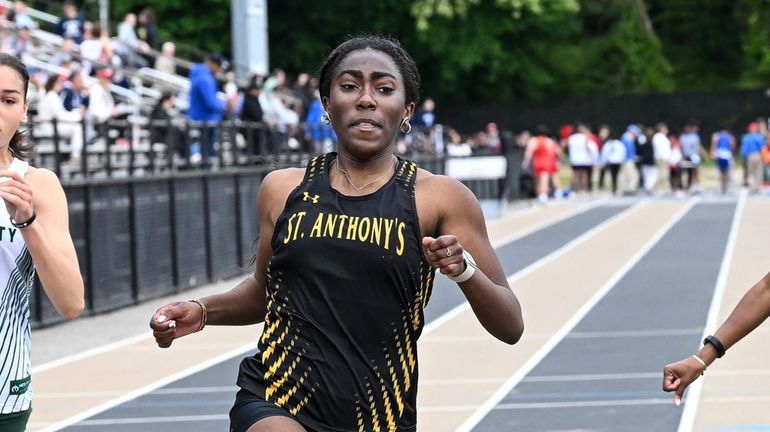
<point>751,311</point>
<point>461,222</point>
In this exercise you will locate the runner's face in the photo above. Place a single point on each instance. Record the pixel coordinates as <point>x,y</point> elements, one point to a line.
<point>366,102</point>
<point>13,105</point>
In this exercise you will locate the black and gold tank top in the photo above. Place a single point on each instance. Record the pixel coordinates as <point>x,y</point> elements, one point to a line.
<point>346,288</point>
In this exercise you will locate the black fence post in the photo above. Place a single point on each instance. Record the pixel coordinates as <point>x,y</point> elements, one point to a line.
<point>207,226</point>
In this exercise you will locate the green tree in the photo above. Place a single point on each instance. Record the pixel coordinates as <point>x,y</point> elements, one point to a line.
<point>755,42</point>
<point>702,40</point>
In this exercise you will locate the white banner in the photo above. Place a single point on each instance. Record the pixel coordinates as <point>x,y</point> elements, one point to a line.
<point>475,168</point>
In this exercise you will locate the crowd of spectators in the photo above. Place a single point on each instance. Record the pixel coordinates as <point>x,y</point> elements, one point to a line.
<point>277,113</point>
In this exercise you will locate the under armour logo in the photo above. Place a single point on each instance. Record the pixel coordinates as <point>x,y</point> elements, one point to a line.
<point>306,196</point>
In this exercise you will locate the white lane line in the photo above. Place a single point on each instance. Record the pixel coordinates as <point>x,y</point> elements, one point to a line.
<point>91,352</point>
<point>533,361</point>
<point>591,377</point>
<point>687,420</point>
<point>635,333</point>
<point>582,404</point>
<point>145,420</point>
<point>148,388</point>
<point>638,375</point>
<point>551,405</point>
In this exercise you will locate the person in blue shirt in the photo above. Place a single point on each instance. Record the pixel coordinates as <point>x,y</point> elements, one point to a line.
<point>751,147</point>
<point>722,148</point>
<point>318,129</point>
<point>206,108</point>
<point>629,175</point>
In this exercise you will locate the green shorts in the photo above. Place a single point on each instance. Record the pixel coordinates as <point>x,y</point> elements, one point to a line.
<point>15,422</point>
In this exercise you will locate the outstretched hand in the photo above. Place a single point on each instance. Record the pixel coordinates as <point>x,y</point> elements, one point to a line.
<point>444,253</point>
<point>175,320</point>
<point>678,376</point>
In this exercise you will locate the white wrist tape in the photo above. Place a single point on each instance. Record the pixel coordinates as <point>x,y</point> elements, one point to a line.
<point>470,269</point>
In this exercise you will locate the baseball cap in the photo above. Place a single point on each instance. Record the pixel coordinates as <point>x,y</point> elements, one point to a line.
<point>634,129</point>
<point>106,73</point>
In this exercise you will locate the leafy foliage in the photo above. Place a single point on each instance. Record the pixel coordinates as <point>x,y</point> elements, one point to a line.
<point>470,50</point>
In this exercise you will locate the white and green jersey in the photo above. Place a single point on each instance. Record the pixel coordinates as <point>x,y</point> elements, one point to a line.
<point>16,280</point>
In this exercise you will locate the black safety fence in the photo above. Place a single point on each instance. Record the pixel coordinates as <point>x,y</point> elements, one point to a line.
<point>139,238</point>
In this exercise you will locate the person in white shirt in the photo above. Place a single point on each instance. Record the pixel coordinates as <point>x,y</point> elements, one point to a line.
<point>68,123</point>
<point>613,155</point>
<point>583,154</point>
<point>661,147</point>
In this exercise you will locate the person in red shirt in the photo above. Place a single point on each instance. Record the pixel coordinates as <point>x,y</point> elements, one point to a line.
<point>543,152</point>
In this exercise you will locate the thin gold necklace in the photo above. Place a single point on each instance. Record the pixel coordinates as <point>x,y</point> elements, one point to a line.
<point>360,188</point>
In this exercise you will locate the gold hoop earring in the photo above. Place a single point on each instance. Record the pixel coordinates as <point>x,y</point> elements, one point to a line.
<point>406,127</point>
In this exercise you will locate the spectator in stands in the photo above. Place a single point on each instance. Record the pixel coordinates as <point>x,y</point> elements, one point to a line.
<point>251,114</point>
<point>36,90</point>
<point>67,123</point>
<point>38,245</point>
<point>74,95</point>
<point>423,123</point>
<point>425,117</point>
<point>318,128</point>
<point>65,53</point>
<point>97,51</point>
<point>277,110</point>
<point>303,91</point>
<point>4,18</point>
<point>166,126</point>
<point>23,46</point>
<point>21,15</point>
<point>131,47</point>
<point>456,147</point>
<point>232,95</point>
<point>101,105</point>
<point>147,28</point>
<point>71,22</point>
<point>751,148</point>
<point>205,108</point>
<point>166,60</point>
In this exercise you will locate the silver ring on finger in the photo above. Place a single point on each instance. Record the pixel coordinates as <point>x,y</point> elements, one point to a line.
<point>448,252</point>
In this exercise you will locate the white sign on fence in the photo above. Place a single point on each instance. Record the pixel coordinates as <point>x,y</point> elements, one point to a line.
<point>476,168</point>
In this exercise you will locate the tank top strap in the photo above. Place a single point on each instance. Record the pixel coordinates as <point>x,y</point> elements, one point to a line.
<point>19,166</point>
<point>406,172</point>
<point>315,168</point>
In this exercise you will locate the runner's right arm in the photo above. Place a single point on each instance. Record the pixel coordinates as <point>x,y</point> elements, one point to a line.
<point>246,303</point>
